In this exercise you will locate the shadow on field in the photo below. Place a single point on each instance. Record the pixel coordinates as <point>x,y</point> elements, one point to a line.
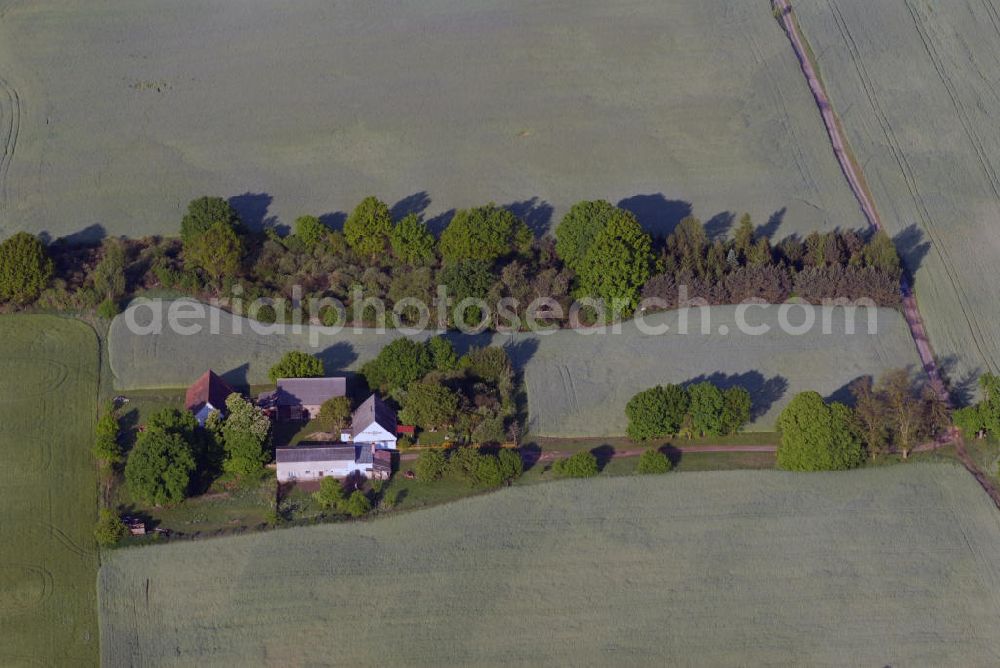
<point>912,248</point>
<point>764,392</point>
<point>964,389</point>
<point>657,214</point>
<point>603,454</point>
<point>843,394</point>
<point>91,235</point>
<point>718,226</point>
<point>238,378</point>
<point>338,357</point>
<point>335,220</point>
<point>252,209</point>
<point>437,224</point>
<point>536,214</point>
<point>770,228</point>
<point>416,204</point>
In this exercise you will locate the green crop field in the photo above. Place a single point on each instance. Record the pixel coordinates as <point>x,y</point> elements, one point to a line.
<point>577,384</point>
<point>48,490</point>
<point>917,85</point>
<point>307,109</point>
<point>891,566</point>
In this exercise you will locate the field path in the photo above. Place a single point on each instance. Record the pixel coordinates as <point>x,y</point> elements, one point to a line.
<point>10,120</point>
<point>855,181</point>
<point>550,455</point>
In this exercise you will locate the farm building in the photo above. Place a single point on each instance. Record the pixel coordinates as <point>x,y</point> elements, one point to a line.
<point>207,395</point>
<point>365,449</point>
<point>301,398</point>
<point>373,423</point>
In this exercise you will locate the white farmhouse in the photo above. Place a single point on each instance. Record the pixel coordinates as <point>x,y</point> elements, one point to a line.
<point>373,423</point>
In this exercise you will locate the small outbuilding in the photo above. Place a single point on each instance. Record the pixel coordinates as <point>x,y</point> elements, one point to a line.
<point>301,398</point>
<point>207,395</point>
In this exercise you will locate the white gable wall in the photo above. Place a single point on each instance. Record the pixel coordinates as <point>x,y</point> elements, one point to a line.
<point>375,433</point>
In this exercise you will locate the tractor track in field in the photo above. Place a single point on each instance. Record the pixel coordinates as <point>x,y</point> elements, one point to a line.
<point>855,180</point>
<point>10,121</point>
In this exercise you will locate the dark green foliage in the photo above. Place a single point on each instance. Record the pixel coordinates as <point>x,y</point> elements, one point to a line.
<point>463,463</point>
<point>579,228</point>
<point>330,495</point>
<point>490,363</point>
<point>108,309</point>
<point>653,461</point>
<point>735,409</point>
<point>467,279</point>
<point>334,414</point>
<point>511,464</point>
<point>430,465</point>
<point>217,251</point>
<point>246,437</point>
<point>106,447</point>
<point>296,364</point>
<point>881,253</point>
<point>658,411</point>
<point>310,230</point>
<point>110,529</point>
<point>982,418</point>
<point>109,274</point>
<point>816,436</point>
<point>443,354</point>
<point>159,467</point>
<point>368,227</point>
<point>488,473</point>
<point>580,465</point>
<point>970,421</point>
<point>25,268</point>
<point>400,363</point>
<point>618,263</point>
<point>357,504</point>
<point>429,405</point>
<point>484,233</point>
<point>706,409</point>
<point>205,213</point>
<point>411,241</point>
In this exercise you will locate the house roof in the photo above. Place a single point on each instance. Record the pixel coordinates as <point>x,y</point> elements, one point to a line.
<point>209,389</point>
<point>364,454</point>
<point>324,452</point>
<point>308,391</point>
<point>373,411</point>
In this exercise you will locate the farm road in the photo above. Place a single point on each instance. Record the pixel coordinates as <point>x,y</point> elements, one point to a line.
<point>550,455</point>
<point>853,175</point>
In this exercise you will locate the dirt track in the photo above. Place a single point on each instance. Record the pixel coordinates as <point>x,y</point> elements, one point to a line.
<point>550,455</point>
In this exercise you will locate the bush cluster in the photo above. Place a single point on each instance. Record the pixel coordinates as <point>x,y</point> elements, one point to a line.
<point>701,409</point>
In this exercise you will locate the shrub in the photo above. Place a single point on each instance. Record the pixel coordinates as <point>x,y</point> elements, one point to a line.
<point>430,465</point>
<point>334,414</point>
<point>511,464</point>
<point>653,461</point>
<point>108,309</point>
<point>580,465</point>
<point>310,230</point>
<point>106,447</point>
<point>357,504</point>
<point>296,364</point>
<point>330,494</point>
<point>110,528</point>
<point>484,233</point>
<point>25,268</point>
<point>655,412</point>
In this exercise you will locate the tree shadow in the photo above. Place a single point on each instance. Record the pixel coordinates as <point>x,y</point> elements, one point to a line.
<point>603,454</point>
<point>90,236</point>
<point>962,389</point>
<point>338,357</point>
<point>764,392</point>
<point>843,394</point>
<point>718,226</point>
<point>912,248</point>
<point>252,209</point>
<point>536,214</point>
<point>657,214</point>
<point>437,223</point>
<point>334,220</point>
<point>770,228</point>
<point>416,203</point>
<point>530,454</point>
<point>463,343</point>
<point>673,453</point>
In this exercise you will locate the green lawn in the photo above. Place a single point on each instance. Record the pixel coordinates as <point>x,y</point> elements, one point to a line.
<point>48,491</point>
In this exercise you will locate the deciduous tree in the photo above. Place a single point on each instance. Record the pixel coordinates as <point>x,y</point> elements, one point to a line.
<point>334,414</point>
<point>429,405</point>
<point>581,465</point>
<point>246,433</point>
<point>658,411</point>
<point>653,461</point>
<point>368,227</point>
<point>159,468</point>
<point>411,241</point>
<point>579,228</point>
<point>485,233</point>
<point>205,213</point>
<point>296,364</point>
<point>618,263</point>
<point>816,436</point>
<point>25,268</point>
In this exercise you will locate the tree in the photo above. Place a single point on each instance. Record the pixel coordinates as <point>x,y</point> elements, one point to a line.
<point>335,414</point>
<point>511,464</point>
<point>488,473</point>
<point>217,252</point>
<point>411,241</point>
<point>617,264</point>
<point>491,363</point>
<point>109,274</point>
<point>246,433</point>
<point>443,354</point>
<point>330,494</point>
<point>368,227</point>
<point>397,365</point>
<point>870,415</point>
<point>430,465</point>
<point>25,268</point>
<point>881,253</point>
<point>655,412</point>
<point>653,461</point>
<point>581,465</point>
<point>159,468</point>
<point>311,230</point>
<point>110,529</point>
<point>706,409</point>
<point>429,405</point>
<point>106,447</point>
<point>296,364</point>
<point>578,229</point>
<point>743,238</point>
<point>357,504</point>
<point>970,421</point>
<point>205,213</point>
<point>485,233</point>
<point>467,279</point>
<point>735,409</point>
<point>816,436</point>
<point>902,409</point>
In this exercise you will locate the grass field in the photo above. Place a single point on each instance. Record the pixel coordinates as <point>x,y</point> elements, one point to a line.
<point>48,491</point>
<point>917,85</point>
<point>887,566</point>
<point>577,384</point>
<point>308,109</point>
